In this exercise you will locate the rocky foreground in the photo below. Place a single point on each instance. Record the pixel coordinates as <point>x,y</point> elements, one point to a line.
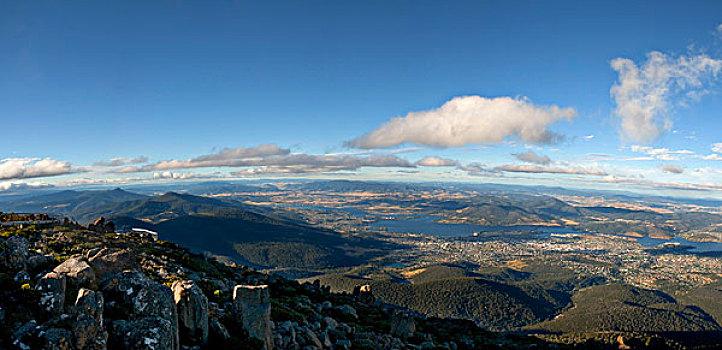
<point>63,286</point>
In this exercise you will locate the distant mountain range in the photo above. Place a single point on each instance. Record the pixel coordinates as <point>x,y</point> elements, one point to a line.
<point>220,227</point>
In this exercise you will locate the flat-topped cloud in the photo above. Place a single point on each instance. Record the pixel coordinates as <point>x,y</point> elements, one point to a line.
<point>469,120</point>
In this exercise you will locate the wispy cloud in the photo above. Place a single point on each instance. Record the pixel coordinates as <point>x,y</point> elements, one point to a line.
<point>717,147</point>
<point>656,184</point>
<point>532,157</point>
<point>531,168</point>
<point>713,156</point>
<point>26,168</point>
<point>661,153</point>
<point>121,161</point>
<point>469,120</point>
<point>644,93</point>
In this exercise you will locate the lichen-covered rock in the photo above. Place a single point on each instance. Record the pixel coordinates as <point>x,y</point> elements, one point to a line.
<point>252,309</point>
<point>88,329</point>
<point>217,332</point>
<point>402,324</point>
<point>107,262</point>
<point>89,302</point>
<point>78,271</point>
<point>192,307</point>
<point>150,333</point>
<point>52,289</point>
<point>348,310</point>
<point>19,337</point>
<point>14,252</point>
<point>131,295</point>
<point>36,262</point>
<point>312,338</point>
<point>57,339</point>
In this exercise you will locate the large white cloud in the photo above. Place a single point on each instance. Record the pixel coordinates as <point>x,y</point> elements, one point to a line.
<point>469,120</point>
<point>25,168</point>
<point>643,94</point>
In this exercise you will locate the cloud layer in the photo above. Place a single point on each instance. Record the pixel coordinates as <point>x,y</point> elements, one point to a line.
<point>269,159</point>
<point>643,94</point>
<point>469,120</point>
<point>26,168</point>
<point>121,161</point>
<point>531,168</point>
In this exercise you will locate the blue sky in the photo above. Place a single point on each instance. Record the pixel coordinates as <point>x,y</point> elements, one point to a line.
<point>85,82</point>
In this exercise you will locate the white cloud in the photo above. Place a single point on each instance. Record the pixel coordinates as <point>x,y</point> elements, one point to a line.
<point>469,120</point>
<point>532,157</point>
<point>121,161</point>
<point>673,169</point>
<point>717,147</point>
<point>661,153</point>
<point>478,169</point>
<point>713,156</point>
<point>589,137</point>
<point>436,162</point>
<point>25,168</point>
<point>531,168</point>
<point>643,94</point>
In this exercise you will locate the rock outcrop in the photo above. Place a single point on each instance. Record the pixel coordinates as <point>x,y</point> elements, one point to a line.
<point>89,330</point>
<point>102,226</point>
<point>150,333</point>
<point>78,272</point>
<point>107,262</point>
<point>192,307</point>
<point>252,309</point>
<point>14,252</point>
<point>135,298</point>
<point>52,293</point>
<point>402,324</point>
